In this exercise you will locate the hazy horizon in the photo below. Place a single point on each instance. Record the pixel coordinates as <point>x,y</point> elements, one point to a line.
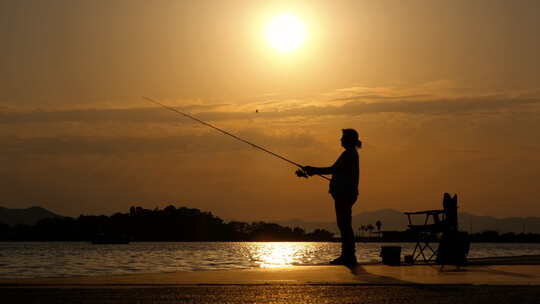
<point>445,96</point>
<point>292,218</point>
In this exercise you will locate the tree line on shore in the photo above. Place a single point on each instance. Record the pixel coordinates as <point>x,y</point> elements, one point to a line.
<point>168,224</point>
<point>188,224</point>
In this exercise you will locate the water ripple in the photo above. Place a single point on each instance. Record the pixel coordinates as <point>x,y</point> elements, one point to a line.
<point>57,259</point>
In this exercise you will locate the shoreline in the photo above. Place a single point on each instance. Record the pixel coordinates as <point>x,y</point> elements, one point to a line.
<point>374,284</point>
<point>511,271</point>
<point>369,275</point>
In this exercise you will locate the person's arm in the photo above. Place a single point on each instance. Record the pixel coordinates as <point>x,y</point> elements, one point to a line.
<point>337,166</point>
<point>318,170</point>
<point>341,164</point>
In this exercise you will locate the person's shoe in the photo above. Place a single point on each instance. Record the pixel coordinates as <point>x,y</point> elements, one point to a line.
<point>344,260</point>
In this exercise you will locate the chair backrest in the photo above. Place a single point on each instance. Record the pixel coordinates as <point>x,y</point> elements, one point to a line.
<point>450,211</point>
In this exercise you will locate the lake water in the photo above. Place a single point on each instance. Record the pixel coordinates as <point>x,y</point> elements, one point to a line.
<point>57,259</point>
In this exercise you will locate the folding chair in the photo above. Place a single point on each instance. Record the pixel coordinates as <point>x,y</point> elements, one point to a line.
<point>435,222</point>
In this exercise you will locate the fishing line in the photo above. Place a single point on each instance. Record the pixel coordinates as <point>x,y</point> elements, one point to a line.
<point>229,134</point>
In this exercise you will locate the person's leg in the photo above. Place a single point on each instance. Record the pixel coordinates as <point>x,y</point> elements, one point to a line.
<point>343,206</point>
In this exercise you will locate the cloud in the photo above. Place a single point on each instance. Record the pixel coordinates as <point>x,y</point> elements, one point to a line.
<point>187,143</point>
<point>363,97</point>
<point>426,107</point>
<point>91,115</point>
<point>437,107</point>
<point>382,101</point>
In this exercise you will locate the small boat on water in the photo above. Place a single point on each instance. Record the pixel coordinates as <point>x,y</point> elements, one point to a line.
<point>103,238</point>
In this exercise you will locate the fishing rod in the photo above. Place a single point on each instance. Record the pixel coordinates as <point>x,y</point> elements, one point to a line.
<point>300,172</point>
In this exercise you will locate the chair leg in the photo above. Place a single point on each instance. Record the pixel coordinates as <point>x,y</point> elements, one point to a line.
<point>433,253</point>
<point>420,252</point>
<point>414,254</point>
<point>417,252</point>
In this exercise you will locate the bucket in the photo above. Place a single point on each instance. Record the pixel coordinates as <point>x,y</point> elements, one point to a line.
<point>391,255</point>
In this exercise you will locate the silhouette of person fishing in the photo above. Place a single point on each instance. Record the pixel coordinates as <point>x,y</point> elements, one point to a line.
<point>344,191</point>
<point>343,185</point>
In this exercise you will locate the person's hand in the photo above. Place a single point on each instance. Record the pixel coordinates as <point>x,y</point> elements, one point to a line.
<point>301,173</point>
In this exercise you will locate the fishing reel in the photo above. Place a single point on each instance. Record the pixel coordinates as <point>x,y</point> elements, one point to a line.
<point>301,173</point>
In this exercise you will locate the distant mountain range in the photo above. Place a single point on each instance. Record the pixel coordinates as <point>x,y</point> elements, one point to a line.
<point>28,216</point>
<point>391,220</point>
<point>396,220</point>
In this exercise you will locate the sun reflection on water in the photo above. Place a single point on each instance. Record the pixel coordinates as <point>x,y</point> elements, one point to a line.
<point>271,255</point>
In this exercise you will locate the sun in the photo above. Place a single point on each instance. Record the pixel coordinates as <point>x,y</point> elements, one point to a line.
<point>285,33</point>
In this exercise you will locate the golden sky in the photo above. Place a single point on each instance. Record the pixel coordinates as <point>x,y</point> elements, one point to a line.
<point>445,95</point>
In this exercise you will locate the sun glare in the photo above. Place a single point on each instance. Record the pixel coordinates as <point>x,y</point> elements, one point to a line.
<point>285,33</point>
